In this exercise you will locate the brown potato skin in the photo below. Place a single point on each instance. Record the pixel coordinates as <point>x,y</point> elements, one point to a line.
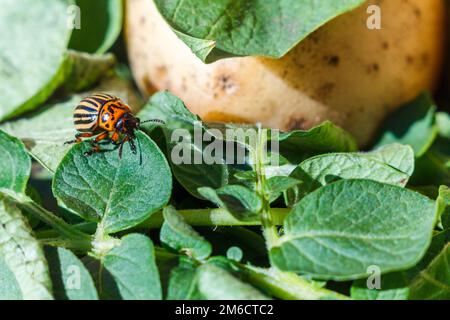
<point>343,72</point>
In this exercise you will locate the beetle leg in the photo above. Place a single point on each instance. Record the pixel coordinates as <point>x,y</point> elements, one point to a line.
<point>95,146</point>
<point>78,137</point>
<point>115,138</point>
<point>127,138</point>
<point>132,145</point>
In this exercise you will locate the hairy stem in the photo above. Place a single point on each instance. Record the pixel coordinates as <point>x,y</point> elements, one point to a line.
<point>194,217</point>
<point>259,157</point>
<point>61,227</point>
<point>286,285</point>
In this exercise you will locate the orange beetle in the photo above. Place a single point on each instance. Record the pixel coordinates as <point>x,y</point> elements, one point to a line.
<point>106,117</point>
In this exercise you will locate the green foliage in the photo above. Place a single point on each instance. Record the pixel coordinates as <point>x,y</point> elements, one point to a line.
<point>226,286</point>
<point>343,211</point>
<point>87,69</point>
<point>433,282</point>
<point>71,280</point>
<point>118,193</point>
<point>321,170</point>
<point>298,145</point>
<point>240,201</point>
<point>183,282</point>
<point>413,124</point>
<point>15,164</point>
<point>240,28</point>
<point>130,271</point>
<point>178,235</point>
<point>22,255</point>
<point>392,287</point>
<point>193,173</point>
<point>31,69</point>
<point>9,287</point>
<point>355,224</point>
<point>398,156</point>
<point>100,25</point>
<point>443,204</point>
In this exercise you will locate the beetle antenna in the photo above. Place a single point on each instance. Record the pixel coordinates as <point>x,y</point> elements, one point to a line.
<point>154,121</point>
<point>140,150</point>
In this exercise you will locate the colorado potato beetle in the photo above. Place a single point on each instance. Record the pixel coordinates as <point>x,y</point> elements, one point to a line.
<point>106,117</point>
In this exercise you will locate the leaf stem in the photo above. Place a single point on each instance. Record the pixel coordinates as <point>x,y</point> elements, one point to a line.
<point>61,227</point>
<point>193,217</point>
<point>259,157</point>
<point>77,245</point>
<point>286,285</point>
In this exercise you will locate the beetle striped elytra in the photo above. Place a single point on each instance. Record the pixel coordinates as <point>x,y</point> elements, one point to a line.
<point>106,117</point>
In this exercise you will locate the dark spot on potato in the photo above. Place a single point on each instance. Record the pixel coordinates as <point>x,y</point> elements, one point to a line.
<point>373,68</point>
<point>333,60</point>
<point>325,90</point>
<point>225,83</point>
<point>385,45</point>
<point>409,59</point>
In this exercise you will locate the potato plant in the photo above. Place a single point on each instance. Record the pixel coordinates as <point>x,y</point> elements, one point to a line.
<point>318,223</point>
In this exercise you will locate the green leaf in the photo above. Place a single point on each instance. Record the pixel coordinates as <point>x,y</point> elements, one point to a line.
<point>443,124</point>
<point>393,286</point>
<point>240,201</point>
<point>284,168</point>
<point>355,224</point>
<point>443,206</point>
<point>434,282</point>
<point>432,168</point>
<point>100,25</point>
<point>215,283</point>
<point>183,283</point>
<point>22,254</point>
<point>298,145</point>
<point>15,165</point>
<point>87,70</point>
<point>398,156</point>
<point>275,186</point>
<point>180,134</point>
<point>167,107</point>
<point>45,132</point>
<point>9,287</point>
<point>178,235</point>
<point>130,270</point>
<point>71,280</point>
<point>438,242</point>
<point>324,169</point>
<point>201,48</point>
<point>31,69</point>
<point>120,193</point>
<point>413,124</point>
<point>239,28</point>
